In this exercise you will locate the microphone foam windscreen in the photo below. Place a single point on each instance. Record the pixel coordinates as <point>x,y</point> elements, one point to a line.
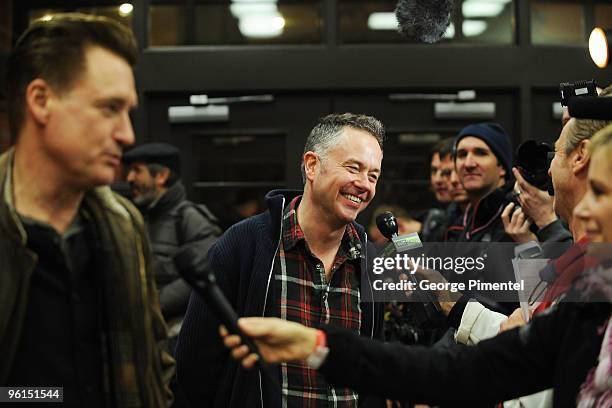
<point>424,20</point>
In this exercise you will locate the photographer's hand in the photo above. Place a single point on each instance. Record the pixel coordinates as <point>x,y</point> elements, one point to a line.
<point>514,320</point>
<point>517,224</point>
<point>535,203</point>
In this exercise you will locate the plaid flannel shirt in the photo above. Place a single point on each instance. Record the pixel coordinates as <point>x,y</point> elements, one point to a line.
<point>305,296</point>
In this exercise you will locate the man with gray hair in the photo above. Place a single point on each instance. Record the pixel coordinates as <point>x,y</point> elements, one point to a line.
<point>302,260</point>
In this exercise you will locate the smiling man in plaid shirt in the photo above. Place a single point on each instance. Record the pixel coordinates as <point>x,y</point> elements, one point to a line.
<point>302,260</point>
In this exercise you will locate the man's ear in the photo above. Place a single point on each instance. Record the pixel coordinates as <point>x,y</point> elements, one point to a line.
<point>161,177</point>
<point>38,99</point>
<point>310,164</point>
<point>580,157</point>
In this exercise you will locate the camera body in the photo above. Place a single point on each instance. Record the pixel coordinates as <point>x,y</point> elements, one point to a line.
<point>533,161</point>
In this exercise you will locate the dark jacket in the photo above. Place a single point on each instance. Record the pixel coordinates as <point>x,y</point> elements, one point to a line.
<point>146,369</point>
<point>243,261</point>
<point>556,231</point>
<point>482,222</point>
<point>175,223</point>
<point>556,350</point>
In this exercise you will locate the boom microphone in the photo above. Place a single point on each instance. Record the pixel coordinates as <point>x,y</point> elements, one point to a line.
<point>598,108</point>
<point>424,20</point>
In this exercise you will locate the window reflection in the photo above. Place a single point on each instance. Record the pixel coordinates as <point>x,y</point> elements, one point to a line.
<point>557,23</point>
<point>167,25</point>
<point>603,15</point>
<point>237,23</point>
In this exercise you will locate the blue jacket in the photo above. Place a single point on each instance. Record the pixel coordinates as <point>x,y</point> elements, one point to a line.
<point>243,262</point>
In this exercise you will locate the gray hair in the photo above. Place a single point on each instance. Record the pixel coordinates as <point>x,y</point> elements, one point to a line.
<point>326,133</point>
<point>584,129</point>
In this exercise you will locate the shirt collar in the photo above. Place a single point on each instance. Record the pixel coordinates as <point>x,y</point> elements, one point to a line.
<point>75,227</point>
<point>293,234</point>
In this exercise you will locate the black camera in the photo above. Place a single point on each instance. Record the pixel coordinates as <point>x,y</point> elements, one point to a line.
<point>569,90</point>
<point>533,161</point>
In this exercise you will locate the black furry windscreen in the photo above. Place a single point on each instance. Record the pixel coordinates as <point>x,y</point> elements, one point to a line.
<point>424,20</point>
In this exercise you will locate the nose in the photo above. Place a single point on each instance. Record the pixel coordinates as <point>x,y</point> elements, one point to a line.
<point>469,161</point>
<point>362,182</point>
<point>551,165</point>
<point>583,209</point>
<point>124,132</point>
<point>130,176</point>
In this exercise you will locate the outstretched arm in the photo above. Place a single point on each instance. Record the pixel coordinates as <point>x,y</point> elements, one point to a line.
<point>512,364</point>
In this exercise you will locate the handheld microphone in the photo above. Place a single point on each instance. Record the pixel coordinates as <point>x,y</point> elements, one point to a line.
<point>424,20</point>
<point>590,107</point>
<point>387,225</point>
<point>198,275</point>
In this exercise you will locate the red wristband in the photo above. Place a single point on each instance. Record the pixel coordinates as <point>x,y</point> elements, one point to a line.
<point>321,339</point>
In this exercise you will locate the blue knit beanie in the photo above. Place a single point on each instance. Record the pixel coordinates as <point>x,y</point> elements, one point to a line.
<point>495,137</point>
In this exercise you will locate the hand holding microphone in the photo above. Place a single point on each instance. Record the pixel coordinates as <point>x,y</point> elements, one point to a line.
<point>196,272</point>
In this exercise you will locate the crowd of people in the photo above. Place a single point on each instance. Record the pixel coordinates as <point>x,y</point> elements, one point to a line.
<point>93,301</point>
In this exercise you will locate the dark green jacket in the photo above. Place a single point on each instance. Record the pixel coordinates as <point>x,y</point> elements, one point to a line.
<point>144,371</point>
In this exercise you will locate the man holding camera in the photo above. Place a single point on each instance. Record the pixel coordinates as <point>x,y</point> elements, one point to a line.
<point>568,171</point>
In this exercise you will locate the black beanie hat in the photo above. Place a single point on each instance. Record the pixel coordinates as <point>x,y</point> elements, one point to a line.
<point>495,137</point>
<point>159,153</point>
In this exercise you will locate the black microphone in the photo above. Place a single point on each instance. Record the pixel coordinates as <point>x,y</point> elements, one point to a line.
<point>424,20</point>
<point>387,225</point>
<point>590,107</point>
<point>197,273</point>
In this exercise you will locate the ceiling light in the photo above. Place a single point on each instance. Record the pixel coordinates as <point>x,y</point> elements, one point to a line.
<point>261,26</point>
<point>240,10</point>
<point>599,46</point>
<point>125,9</point>
<point>382,21</point>
<point>473,28</point>
<point>481,8</point>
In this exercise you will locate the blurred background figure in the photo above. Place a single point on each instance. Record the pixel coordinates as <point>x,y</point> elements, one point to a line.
<point>172,221</point>
<point>436,220</point>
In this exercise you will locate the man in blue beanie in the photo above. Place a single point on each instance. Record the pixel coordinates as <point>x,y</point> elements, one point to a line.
<point>483,159</point>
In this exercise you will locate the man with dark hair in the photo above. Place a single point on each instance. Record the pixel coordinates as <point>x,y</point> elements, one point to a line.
<point>303,260</point>
<point>441,165</point>
<point>173,222</point>
<point>78,302</point>
<point>437,220</point>
<point>483,159</point>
